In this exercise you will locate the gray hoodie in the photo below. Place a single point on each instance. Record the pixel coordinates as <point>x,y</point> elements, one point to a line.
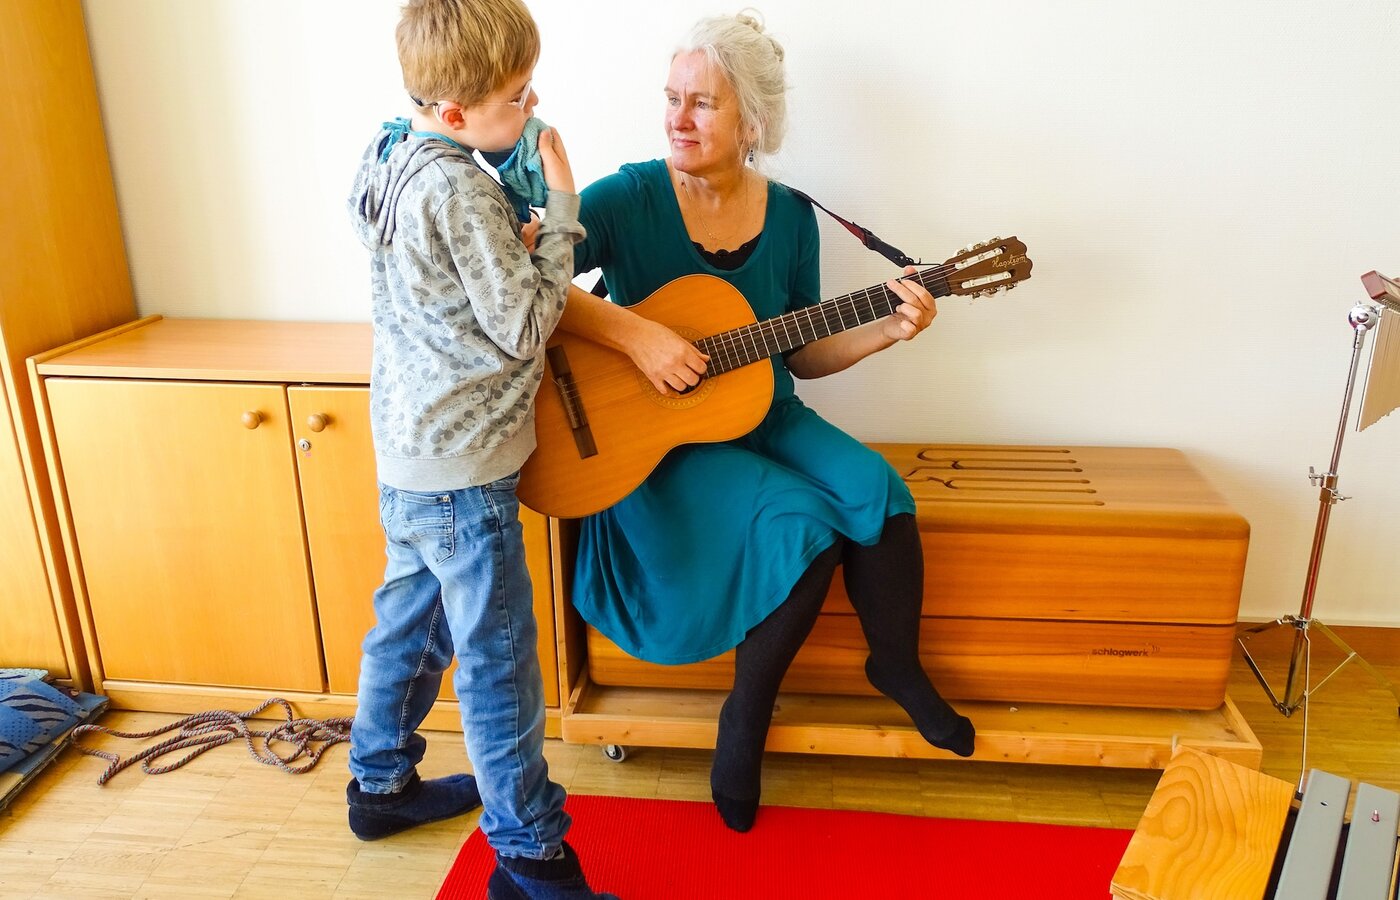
<point>461,311</point>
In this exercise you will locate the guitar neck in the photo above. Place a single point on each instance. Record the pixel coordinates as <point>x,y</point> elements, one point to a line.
<point>739,347</point>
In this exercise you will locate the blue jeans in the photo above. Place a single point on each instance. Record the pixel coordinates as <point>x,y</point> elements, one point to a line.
<point>456,584</point>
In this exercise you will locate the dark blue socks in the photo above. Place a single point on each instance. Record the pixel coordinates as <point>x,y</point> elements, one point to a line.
<point>561,878</point>
<point>374,816</point>
<point>939,723</point>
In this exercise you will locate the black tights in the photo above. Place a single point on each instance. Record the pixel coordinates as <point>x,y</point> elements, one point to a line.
<point>886,585</point>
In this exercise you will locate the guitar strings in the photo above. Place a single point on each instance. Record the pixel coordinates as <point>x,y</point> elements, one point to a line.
<point>741,346</point>
<point>730,343</point>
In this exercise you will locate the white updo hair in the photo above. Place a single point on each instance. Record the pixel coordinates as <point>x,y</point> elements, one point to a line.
<point>752,62</point>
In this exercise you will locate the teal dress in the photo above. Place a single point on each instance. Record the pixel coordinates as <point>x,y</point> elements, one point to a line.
<point>716,537</point>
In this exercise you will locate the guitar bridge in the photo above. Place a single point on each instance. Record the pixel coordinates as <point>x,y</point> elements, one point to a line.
<point>573,404</point>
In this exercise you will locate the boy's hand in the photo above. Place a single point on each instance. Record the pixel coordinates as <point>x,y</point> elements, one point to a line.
<point>530,231</point>
<point>555,163</point>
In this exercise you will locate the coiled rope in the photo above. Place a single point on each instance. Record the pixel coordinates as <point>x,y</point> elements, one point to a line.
<point>207,730</point>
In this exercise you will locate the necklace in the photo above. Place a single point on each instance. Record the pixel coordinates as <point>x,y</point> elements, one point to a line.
<point>721,251</point>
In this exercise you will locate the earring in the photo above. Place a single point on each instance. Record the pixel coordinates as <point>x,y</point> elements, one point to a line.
<point>750,156</point>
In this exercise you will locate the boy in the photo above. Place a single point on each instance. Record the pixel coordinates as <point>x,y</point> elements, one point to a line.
<point>461,311</point>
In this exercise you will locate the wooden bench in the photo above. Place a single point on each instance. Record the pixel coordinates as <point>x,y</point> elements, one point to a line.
<point>1060,582</point>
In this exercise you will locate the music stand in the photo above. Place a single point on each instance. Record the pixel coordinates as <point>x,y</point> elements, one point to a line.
<point>1382,396</point>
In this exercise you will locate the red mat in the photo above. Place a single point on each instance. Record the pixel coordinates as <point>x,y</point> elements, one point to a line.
<point>680,850</point>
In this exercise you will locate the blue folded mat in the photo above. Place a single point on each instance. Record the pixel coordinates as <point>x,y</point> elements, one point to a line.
<point>32,714</point>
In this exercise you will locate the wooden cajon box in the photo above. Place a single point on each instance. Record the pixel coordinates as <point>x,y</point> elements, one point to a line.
<point>1087,575</point>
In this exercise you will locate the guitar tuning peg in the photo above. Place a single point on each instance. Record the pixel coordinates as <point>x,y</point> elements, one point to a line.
<point>968,249</point>
<point>979,245</point>
<point>1012,285</point>
<point>996,239</point>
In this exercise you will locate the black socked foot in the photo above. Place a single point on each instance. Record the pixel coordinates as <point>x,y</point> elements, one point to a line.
<point>939,723</point>
<point>737,814</point>
<point>375,816</point>
<point>960,740</point>
<point>517,878</point>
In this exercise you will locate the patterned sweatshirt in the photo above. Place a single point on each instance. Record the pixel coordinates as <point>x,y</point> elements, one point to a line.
<point>461,311</point>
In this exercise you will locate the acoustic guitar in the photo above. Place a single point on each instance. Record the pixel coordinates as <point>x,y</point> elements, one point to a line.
<point>602,427</point>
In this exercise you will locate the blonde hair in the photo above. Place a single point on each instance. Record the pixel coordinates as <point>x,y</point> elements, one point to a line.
<point>463,50</point>
<point>751,61</point>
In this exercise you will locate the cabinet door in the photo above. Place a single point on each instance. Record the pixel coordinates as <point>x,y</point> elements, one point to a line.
<point>30,636</point>
<point>188,522</point>
<point>340,495</point>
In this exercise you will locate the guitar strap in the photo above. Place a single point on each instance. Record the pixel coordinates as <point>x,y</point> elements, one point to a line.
<point>861,233</point>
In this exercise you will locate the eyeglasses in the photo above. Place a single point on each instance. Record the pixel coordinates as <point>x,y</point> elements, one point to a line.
<point>518,102</point>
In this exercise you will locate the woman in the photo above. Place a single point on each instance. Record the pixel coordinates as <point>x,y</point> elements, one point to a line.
<point>735,544</point>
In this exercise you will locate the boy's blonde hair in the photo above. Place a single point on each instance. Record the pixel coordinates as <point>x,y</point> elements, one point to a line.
<point>463,50</point>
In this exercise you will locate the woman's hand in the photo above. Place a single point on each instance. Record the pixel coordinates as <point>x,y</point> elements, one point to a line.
<point>914,314</point>
<point>670,361</point>
<point>557,174</point>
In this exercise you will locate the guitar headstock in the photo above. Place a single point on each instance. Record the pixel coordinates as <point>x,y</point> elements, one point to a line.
<point>988,268</point>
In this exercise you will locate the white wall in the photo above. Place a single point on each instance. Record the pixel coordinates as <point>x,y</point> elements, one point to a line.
<point>1200,186</point>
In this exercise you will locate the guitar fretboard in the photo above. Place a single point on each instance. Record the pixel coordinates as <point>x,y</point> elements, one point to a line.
<point>739,347</point>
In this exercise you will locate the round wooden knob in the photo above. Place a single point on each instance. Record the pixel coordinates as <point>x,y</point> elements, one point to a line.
<point>252,419</point>
<point>317,422</point>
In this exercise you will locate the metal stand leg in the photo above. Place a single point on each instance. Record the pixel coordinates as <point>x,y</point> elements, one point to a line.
<point>1295,695</point>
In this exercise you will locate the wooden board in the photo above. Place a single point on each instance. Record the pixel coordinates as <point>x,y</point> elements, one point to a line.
<point>183,699</point>
<point>1211,829</point>
<point>862,726</point>
<point>1098,663</point>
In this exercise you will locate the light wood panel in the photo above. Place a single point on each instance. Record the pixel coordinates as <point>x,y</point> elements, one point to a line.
<point>1099,663</point>
<point>823,723</point>
<point>1123,577</point>
<point>571,644</point>
<point>341,506</point>
<point>226,350</point>
<point>186,699</point>
<point>1211,829</point>
<point>63,271</point>
<point>30,636</point>
<point>189,529</point>
<point>340,501</point>
<point>63,274</point>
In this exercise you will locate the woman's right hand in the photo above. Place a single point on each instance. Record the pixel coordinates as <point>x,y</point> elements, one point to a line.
<point>555,162</point>
<point>669,361</point>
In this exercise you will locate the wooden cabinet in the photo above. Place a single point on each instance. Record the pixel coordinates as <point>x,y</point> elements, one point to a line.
<point>63,275</point>
<point>184,500</point>
<point>220,482</point>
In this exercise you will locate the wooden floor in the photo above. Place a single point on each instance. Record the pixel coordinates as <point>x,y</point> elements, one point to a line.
<point>226,826</point>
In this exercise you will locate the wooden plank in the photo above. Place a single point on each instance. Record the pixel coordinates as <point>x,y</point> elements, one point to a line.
<point>1013,660</point>
<point>1312,846</point>
<point>227,350</point>
<point>183,699</point>
<point>1124,577</point>
<point>1368,865</point>
<point>869,726</point>
<point>1211,829</point>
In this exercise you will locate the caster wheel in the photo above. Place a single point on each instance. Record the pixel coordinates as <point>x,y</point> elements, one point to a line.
<point>615,752</point>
